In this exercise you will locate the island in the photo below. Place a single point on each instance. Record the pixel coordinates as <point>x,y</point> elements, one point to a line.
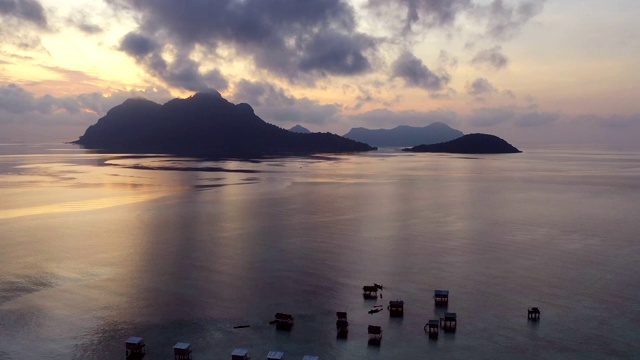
<point>203,125</point>
<point>405,135</point>
<point>469,144</point>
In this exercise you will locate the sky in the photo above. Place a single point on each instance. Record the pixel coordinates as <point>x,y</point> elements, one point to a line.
<point>539,73</point>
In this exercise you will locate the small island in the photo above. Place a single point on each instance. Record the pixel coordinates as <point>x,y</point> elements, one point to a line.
<point>469,144</point>
<point>203,125</point>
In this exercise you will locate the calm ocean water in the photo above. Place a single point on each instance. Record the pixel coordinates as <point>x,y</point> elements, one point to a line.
<point>96,248</point>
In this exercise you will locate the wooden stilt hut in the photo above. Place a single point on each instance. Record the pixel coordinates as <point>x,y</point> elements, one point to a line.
<point>134,347</point>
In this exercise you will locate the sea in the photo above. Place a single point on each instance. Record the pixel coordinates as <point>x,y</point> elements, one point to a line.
<point>95,248</point>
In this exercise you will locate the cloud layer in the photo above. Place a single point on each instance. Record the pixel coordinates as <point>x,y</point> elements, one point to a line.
<point>411,69</point>
<point>296,41</point>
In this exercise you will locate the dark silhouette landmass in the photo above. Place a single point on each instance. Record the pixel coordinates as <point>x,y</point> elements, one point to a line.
<point>405,135</point>
<point>300,129</point>
<point>203,125</point>
<point>469,144</point>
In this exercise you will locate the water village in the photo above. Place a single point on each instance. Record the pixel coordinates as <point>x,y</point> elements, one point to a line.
<point>135,346</point>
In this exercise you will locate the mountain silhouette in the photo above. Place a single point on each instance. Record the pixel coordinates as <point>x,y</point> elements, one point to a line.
<point>469,144</point>
<point>203,125</point>
<point>300,129</point>
<point>405,135</point>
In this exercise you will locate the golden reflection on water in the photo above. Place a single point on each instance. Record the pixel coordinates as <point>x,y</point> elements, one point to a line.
<point>83,205</point>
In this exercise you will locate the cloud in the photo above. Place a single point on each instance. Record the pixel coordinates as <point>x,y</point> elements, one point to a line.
<point>26,117</point>
<point>29,10</point>
<point>21,21</point>
<point>16,100</point>
<point>492,57</point>
<point>182,72</point>
<point>424,13</point>
<point>81,20</point>
<point>337,53</point>
<point>273,105</point>
<point>297,41</point>
<point>137,45</point>
<point>480,87</point>
<point>415,74</point>
<point>504,21</point>
<point>447,61</point>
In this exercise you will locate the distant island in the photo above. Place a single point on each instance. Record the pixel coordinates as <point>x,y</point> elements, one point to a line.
<point>203,125</point>
<point>469,144</point>
<point>300,129</point>
<point>436,132</point>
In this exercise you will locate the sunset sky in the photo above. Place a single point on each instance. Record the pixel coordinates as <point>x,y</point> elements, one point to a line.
<point>537,73</point>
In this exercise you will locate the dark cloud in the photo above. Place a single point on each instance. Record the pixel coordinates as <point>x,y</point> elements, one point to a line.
<point>16,100</point>
<point>258,94</point>
<point>504,21</point>
<point>137,45</point>
<point>492,57</point>
<point>182,72</point>
<point>337,54</point>
<point>292,39</point>
<point>415,74</point>
<point>272,104</point>
<point>480,87</point>
<point>424,13</point>
<point>21,22</point>
<point>185,73</point>
<point>29,10</point>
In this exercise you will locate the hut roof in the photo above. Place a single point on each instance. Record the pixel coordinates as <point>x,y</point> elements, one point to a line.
<point>182,346</point>
<point>134,340</point>
<point>275,355</point>
<point>441,293</point>
<point>239,352</point>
